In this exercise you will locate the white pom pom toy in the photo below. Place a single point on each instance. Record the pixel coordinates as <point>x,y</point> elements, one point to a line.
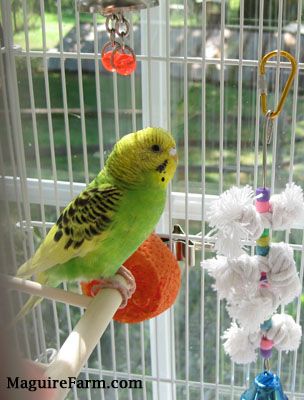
<point>234,277</point>
<point>241,345</point>
<point>234,218</point>
<point>284,333</point>
<point>287,207</point>
<point>255,286</point>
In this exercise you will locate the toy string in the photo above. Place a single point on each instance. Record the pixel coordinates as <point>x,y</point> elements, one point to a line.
<point>267,135</point>
<point>263,243</point>
<point>263,194</point>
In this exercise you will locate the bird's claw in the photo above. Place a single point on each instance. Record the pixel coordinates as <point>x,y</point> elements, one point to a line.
<point>128,276</point>
<point>112,283</point>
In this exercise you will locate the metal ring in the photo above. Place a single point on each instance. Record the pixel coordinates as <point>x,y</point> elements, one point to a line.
<point>107,45</point>
<point>117,48</point>
<point>131,51</point>
<point>112,17</point>
<point>126,32</point>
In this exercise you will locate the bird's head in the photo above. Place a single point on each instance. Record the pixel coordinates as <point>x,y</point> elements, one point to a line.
<point>147,156</point>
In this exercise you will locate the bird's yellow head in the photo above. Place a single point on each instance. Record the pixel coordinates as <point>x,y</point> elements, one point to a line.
<point>147,156</point>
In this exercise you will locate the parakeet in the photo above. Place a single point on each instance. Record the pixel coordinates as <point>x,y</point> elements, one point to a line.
<point>115,213</point>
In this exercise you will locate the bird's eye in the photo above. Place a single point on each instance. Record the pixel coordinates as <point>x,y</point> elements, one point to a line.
<point>155,148</point>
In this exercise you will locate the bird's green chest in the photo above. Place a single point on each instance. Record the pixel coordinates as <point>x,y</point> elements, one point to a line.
<point>136,218</point>
<point>141,210</point>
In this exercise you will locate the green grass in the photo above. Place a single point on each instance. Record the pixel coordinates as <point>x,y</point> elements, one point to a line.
<point>51,28</point>
<point>57,124</point>
<point>35,33</point>
<point>213,110</point>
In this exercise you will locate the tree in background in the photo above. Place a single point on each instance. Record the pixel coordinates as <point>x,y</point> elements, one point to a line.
<point>33,8</point>
<point>271,12</point>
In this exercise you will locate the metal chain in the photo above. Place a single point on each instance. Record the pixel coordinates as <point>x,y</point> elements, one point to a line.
<point>116,24</point>
<point>114,20</point>
<point>123,23</point>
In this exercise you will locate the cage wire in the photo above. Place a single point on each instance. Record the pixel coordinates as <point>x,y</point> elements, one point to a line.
<point>61,112</point>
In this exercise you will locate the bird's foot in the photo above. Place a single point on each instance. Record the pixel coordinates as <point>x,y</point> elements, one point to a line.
<point>128,276</point>
<point>112,283</point>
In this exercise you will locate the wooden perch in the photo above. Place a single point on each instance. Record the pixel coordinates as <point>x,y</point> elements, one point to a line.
<point>79,345</point>
<point>36,289</point>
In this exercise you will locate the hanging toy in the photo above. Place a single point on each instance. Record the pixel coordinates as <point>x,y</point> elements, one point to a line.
<point>255,286</point>
<point>266,386</point>
<point>117,59</point>
<point>116,56</point>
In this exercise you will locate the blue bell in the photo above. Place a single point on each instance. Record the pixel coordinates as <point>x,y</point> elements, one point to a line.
<point>266,386</point>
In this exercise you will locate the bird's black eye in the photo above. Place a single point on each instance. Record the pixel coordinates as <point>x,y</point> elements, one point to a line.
<point>155,148</point>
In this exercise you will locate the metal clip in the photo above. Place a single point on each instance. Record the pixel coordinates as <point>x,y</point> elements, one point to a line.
<point>179,246</point>
<point>277,111</point>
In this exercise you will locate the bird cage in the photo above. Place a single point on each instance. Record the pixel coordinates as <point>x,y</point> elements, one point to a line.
<point>197,74</point>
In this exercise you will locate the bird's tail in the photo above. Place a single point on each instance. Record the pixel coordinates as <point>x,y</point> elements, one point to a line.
<point>32,302</point>
<point>23,270</point>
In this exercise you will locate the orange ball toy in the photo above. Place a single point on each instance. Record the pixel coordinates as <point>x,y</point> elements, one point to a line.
<point>158,278</point>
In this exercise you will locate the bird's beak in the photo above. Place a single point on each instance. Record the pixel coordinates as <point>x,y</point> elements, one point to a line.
<point>173,154</point>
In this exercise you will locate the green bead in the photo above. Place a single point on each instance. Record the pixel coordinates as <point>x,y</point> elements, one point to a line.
<point>265,232</point>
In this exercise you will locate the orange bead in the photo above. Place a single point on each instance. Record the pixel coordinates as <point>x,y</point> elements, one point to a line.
<point>125,64</point>
<point>158,278</point>
<point>106,60</point>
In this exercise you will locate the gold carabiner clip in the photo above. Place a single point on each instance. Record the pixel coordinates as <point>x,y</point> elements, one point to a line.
<point>287,86</point>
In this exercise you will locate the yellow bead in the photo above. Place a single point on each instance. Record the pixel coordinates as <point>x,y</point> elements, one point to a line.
<point>263,241</point>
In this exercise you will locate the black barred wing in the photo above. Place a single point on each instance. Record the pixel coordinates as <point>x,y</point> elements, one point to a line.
<point>87,217</point>
<point>79,229</point>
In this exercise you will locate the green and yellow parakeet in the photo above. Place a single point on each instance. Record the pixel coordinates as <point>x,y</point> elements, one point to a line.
<point>107,222</point>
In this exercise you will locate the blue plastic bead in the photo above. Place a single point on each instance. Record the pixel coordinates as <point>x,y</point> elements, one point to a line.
<point>262,251</point>
<point>266,386</point>
<point>266,325</point>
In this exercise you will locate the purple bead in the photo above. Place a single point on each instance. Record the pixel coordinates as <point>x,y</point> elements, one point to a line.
<point>266,353</point>
<point>265,192</point>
